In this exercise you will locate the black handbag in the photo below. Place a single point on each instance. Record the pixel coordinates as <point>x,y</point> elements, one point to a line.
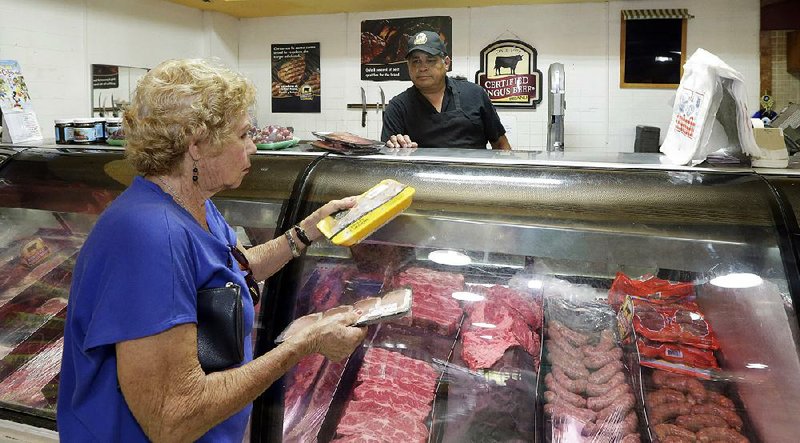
<point>220,327</point>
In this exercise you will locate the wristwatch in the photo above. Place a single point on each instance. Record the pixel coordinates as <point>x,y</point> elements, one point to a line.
<point>301,234</point>
<point>292,245</point>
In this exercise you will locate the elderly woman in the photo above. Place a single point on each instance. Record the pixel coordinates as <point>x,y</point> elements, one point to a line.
<point>130,370</point>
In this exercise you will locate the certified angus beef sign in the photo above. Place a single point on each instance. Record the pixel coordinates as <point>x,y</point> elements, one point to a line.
<point>509,75</point>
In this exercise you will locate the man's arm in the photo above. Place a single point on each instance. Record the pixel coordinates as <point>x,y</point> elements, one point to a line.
<point>394,121</point>
<point>501,143</point>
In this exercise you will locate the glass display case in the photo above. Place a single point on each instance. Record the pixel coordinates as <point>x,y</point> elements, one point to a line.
<point>49,201</point>
<point>551,301</point>
<point>549,304</point>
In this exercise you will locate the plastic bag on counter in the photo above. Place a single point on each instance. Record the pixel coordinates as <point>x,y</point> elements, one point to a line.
<point>710,90</point>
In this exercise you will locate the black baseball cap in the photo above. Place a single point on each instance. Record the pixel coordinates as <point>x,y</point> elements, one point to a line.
<point>426,41</point>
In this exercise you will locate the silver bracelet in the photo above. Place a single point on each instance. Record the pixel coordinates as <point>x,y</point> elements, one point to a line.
<point>292,244</point>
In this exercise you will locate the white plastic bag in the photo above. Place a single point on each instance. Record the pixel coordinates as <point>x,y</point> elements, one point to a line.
<point>708,82</point>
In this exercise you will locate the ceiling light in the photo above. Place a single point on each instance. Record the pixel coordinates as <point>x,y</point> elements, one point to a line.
<point>448,257</point>
<point>484,325</point>
<point>756,366</point>
<point>535,284</point>
<point>468,296</point>
<point>737,280</point>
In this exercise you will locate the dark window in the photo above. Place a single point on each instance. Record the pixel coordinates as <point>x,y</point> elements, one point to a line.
<point>653,52</point>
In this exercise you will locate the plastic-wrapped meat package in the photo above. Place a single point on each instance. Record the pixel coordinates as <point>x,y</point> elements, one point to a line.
<point>32,308</point>
<point>683,408</point>
<point>434,307</point>
<point>649,287</point>
<point>25,385</point>
<point>506,318</point>
<point>587,391</point>
<point>481,411</point>
<point>675,322</point>
<point>390,400</point>
<point>325,287</point>
<point>16,273</point>
<point>308,397</point>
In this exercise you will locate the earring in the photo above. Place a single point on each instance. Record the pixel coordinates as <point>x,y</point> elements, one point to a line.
<point>194,172</point>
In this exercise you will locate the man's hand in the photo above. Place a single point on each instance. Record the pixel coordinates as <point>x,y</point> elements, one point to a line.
<point>400,141</point>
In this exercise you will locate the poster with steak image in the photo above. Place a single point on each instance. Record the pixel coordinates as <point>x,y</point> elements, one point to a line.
<point>296,78</point>
<point>384,44</point>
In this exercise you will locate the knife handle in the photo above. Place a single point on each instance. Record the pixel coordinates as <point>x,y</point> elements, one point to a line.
<point>364,119</point>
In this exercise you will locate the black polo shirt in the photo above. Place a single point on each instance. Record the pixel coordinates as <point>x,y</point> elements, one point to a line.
<point>476,124</point>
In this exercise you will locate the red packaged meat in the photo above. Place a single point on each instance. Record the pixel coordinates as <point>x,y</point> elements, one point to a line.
<point>677,322</point>
<point>649,287</point>
<point>676,353</point>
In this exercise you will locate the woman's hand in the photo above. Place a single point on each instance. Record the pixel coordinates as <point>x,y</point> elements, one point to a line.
<point>333,337</point>
<point>309,224</point>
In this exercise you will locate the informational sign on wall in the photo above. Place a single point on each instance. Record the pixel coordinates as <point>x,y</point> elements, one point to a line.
<point>105,76</point>
<point>19,121</point>
<point>296,77</point>
<point>508,74</point>
<point>384,44</point>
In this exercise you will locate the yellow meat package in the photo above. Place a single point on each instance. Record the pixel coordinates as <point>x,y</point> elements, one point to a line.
<point>373,209</point>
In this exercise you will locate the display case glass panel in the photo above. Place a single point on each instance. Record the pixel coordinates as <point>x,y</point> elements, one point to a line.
<point>49,201</point>
<point>511,269</point>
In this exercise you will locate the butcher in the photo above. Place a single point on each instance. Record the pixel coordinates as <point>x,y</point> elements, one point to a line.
<point>439,111</point>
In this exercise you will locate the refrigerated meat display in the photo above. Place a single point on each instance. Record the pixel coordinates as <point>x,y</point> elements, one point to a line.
<point>515,334</point>
<point>50,197</point>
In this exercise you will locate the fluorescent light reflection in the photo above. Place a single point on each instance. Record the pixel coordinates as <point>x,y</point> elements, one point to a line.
<point>448,257</point>
<point>524,181</point>
<point>737,280</point>
<point>484,325</point>
<point>535,284</point>
<point>756,366</point>
<point>487,337</point>
<point>468,296</point>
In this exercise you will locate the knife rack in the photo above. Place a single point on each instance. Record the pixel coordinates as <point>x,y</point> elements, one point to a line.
<point>360,106</point>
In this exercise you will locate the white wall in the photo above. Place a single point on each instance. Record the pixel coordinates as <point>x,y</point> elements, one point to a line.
<point>583,36</point>
<point>56,41</point>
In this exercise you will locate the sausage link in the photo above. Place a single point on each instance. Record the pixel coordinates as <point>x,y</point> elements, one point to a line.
<point>729,415</point>
<point>665,395</point>
<point>619,408</point>
<point>598,360</point>
<point>572,367</point>
<point>607,342</point>
<point>631,438</point>
<point>720,434</point>
<point>667,411</point>
<point>604,401</point>
<point>717,398</point>
<point>574,337</point>
<point>574,352</point>
<point>604,374</point>
<point>681,383</point>
<point>611,430</point>
<point>563,393</point>
<point>696,422</point>
<point>598,390</point>
<point>566,410</point>
<point>577,386</point>
<point>664,430</point>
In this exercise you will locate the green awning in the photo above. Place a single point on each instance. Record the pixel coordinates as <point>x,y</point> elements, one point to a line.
<point>649,14</point>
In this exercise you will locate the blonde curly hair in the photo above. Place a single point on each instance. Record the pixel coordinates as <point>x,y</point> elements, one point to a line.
<point>179,100</point>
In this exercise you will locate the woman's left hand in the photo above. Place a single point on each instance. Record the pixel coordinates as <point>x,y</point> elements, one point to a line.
<point>309,224</point>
